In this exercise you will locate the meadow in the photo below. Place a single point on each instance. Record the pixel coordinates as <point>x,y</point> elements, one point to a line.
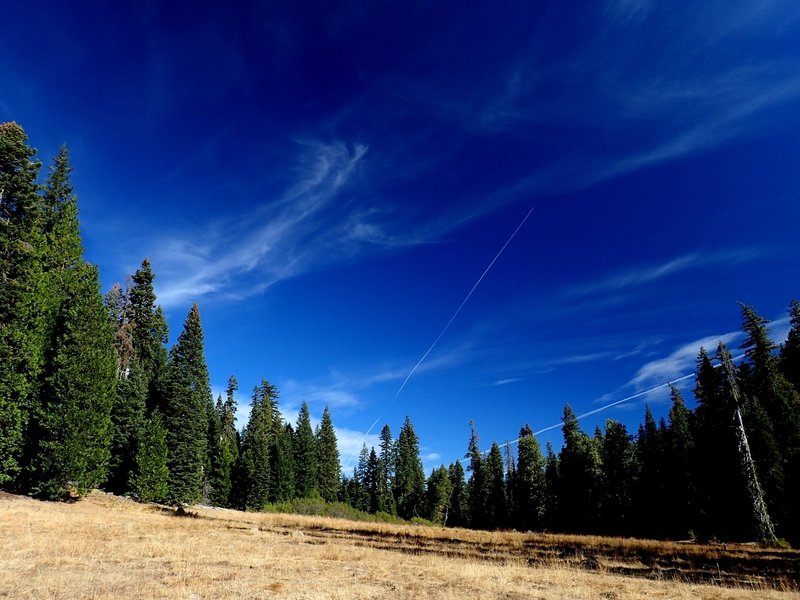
<point>104,546</point>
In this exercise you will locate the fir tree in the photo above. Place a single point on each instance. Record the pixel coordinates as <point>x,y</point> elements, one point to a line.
<point>438,493</point>
<point>229,446</point>
<point>496,488</point>
<point>476,488</point>
<point>305,456</point>
<point>359,495</point>
<point>386,464</point>
<point>149,481</point>
<point>328,467</point>
<point>679,475</point>
<point>74,415</point>
<point>618,459</point>
<point>187,393</point>
<point>282,462</point>
<point>551,489</point>
<point>579,478</point>
<point>790,351</point>
<point>528,483</point>
<point>650,486</point>
<point>409,476</point>
<point>255,475</point>
<point>128,416</point>
<point>22,337</point>
<point>459,500</point>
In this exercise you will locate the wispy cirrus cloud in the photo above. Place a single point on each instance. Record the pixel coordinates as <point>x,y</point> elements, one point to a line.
<point>645,274</point>
<point>285,237</point>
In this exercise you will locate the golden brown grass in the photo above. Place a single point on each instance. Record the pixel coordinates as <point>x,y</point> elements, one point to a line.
<point>104,547</point>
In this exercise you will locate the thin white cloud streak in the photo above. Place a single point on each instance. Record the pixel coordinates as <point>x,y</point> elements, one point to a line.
<point>350,443</point>
<point>647,274</point>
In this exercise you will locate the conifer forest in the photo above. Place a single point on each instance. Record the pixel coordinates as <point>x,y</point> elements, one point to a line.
<point>91,397</point>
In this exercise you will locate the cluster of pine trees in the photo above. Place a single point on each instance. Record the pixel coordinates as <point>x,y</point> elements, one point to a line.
<point>90,397</point>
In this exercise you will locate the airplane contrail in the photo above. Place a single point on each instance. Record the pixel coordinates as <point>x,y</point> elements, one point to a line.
<point>450,322</point>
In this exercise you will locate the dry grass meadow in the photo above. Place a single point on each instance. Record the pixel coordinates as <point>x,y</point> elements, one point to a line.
<point>107,547</point>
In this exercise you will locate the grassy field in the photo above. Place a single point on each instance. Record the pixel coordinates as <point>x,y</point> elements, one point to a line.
<point>107,547</point>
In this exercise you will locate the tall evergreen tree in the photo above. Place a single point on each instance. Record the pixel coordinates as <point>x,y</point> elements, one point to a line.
<point>618,459</point>
<point>459,500</point>
<point>187,393</point>
<point>328,466</point>
<point>128,416</point>
<point>359,495</point>
<point>679,472</point>
<point>551,489</point>
<point>387,459</point>
<point>438,493</point>
<point>254,474</point>
<point>579,478</point>
<point>496,488</point>
<point>282,462</point>
<point>528,484</point>
<point>370,481</point>
<point>409,476</point>
<point>74,414</point>
<point>790,351</point>
<point>305,456</point>
<point>22,337</point>
<point>721,490</point>
<point>149,482</point>
<point>477,491</point>
<point>650,491</point>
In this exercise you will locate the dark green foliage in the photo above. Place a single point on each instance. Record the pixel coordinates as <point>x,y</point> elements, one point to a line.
<point>409,476</point>
<point>387,460</point>
<point>148,326</point>
<point>650,489</point>
<point>437,495</point>
<point>551,489</point>
<point>369,481</point>
<point>222,473</point>
<point>328,468</point>
<point>73,419</point>
<point>359,494</point>
<point>187,394</point>
<point>127,427</point>
<point>579,479</point>
<point>618,459</point>
<point>459,500</point>
<point>305,456</point>
<point>528,486</point>
<point>254,473</point>
<point>679,472</point>
<point>22,335</point>
<point>282,462</point>
<point>496,512</point>
<point>476,488</point>
<point>149,481</point>
<point>790,352</point>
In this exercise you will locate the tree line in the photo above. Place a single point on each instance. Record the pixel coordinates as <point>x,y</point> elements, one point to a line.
<point>90,397</point>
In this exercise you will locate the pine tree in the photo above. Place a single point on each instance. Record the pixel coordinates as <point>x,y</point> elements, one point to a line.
<point>74,415</point>
<point>305,456</point>
<point>528,484</point>
<point>496,488</point>
<point>229,446</point>
<point>149,480</point>
<point>22,337</point>
<point>370,481</point>
<point>459,500</point>
<point>387,460</point>
<point>187,393</point>
<point>409,476</point>
<point>359,495</point>
<point>650,490</point>
<point>476,488</point>
<point>438,494</point>
<point>328,467</point>
<point>790,368</point>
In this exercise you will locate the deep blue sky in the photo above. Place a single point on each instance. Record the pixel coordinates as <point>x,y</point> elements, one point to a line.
<point>329,181</point>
